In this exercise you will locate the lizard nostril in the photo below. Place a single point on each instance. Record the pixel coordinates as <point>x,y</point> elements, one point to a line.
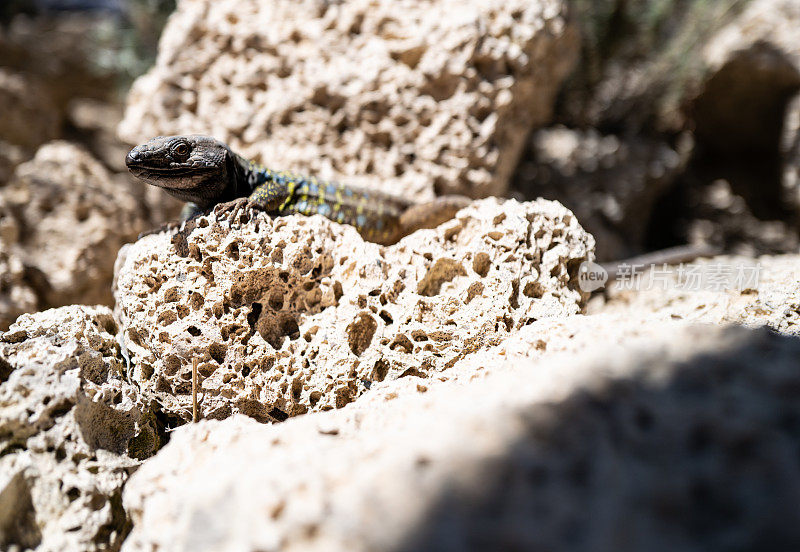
<point>132,157</point>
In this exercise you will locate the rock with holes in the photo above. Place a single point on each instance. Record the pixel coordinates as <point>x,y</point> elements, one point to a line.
<point>63,217</point>
<point>404,96</point>
<point>581,434</point>
<point>295,313</point>
<point>72,429</point>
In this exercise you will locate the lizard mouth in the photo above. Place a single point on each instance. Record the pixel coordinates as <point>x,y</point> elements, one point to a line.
<point>165,170</point>
<point>172,180</point>
<point>157,174</point>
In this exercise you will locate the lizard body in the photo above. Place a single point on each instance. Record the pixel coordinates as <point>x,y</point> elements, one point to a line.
<point>205,172</point>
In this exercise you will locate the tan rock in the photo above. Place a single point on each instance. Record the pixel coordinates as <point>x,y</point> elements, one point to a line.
<point>71,431</point>
<point>298,314</point>
<point>618,447</point>
<point>409,98</point>
<point>63,219</point>
<point>753,292</point>
<point>16,294</point>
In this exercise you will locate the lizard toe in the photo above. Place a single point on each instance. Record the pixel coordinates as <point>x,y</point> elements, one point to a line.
<point>230,209</point>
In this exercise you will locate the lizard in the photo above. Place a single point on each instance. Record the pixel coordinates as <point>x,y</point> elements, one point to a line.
<point>206,173</point>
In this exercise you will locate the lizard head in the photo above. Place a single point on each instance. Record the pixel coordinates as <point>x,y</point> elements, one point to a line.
<point>193,168</point>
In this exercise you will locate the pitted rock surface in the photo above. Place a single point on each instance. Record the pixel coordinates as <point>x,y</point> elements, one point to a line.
<point>622,442</point>
<point>405,96</point>
<point>72,429</point>
<point>297,314</point>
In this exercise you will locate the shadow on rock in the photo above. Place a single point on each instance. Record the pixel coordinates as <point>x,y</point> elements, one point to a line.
<point>696,453</point>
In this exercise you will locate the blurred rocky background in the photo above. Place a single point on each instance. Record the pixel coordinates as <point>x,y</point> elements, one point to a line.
<point>457,390</point>
<point>676,126</point>
<point>66,201</point>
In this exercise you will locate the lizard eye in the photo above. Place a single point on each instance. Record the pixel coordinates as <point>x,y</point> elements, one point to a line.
<point>181,149</point>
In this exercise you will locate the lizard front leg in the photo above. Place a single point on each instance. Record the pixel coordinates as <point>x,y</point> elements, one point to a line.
<point>265,197</point>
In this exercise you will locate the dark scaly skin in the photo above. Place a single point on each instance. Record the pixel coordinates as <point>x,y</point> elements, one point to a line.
<point>205,172</point>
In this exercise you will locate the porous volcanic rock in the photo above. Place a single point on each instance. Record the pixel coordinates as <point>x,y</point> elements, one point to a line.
<point>622,446</point>
<point>64,217</point>
<point>71,431</point>
<point>398,96</point>
<point>297,314</point>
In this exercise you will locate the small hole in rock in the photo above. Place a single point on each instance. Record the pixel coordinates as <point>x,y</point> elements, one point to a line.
<point>278,414</point>
<point>217,351</point>
<point>254,314</point>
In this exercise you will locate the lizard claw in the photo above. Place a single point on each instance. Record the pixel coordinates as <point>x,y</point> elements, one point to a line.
<point>231,210</point>
<point>239,210</point>
<point>228,209</point>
